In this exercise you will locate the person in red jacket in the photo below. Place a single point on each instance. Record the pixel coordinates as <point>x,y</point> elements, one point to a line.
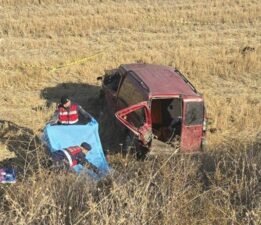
<point>69,157</point>
<point>69,113</point>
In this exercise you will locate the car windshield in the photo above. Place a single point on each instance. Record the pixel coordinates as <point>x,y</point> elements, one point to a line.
<point>194,113</point>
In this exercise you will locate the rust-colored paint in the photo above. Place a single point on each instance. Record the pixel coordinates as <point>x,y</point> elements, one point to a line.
<point>161,80</point>
<point>156,116</point>
<point>141,132</point>
<point>156,81</point>
<point>191,136</point>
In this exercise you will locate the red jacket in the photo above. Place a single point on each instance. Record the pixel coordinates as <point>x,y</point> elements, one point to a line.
<point>74,155</point>
<point>68,116</point>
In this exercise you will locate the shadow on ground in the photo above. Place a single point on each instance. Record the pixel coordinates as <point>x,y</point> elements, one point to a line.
<point>29,153</point>
<point>84,94</point>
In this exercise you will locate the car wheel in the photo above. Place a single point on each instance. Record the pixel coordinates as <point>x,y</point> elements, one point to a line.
<point>129,144</point>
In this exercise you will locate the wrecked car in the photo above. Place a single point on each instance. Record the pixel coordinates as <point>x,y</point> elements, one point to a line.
<point>157,107</point>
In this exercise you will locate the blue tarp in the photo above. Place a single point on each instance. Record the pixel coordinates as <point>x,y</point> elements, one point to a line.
<point>58,137</point>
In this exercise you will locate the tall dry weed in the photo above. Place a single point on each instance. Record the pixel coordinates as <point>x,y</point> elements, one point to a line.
<point>222,187</point>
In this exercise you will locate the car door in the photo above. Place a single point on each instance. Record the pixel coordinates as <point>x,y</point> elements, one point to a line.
<point>138,120</point>
<point>192,125</point>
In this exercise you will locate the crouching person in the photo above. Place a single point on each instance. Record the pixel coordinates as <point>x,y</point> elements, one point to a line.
<point>69,157</point>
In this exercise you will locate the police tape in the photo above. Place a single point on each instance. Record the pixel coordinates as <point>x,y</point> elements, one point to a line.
<point>75,62</point>
<point>188,22</point>
<point>57,67</point>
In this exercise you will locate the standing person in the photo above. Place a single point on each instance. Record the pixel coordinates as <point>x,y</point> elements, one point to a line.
<point>68,112</point>
<point>71,156</point>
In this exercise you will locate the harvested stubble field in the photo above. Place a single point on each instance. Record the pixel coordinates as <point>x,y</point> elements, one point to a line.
<point>50,47</point>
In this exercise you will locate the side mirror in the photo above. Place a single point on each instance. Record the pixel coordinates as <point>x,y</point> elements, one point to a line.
<point>99,78</point>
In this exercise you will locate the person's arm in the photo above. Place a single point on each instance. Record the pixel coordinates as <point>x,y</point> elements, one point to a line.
<point>84,113</point>
<point>55,118</point>
<point>81,158</point>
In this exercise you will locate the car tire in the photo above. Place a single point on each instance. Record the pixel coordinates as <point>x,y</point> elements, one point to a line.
<point>129,144</point>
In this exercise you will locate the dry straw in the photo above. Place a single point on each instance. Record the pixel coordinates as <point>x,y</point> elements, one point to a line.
<point>216,44</point>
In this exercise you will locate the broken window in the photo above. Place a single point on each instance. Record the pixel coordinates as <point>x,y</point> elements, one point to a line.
<point>194,113</point>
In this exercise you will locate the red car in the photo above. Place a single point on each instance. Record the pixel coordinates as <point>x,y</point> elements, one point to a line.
<point>157,105</point>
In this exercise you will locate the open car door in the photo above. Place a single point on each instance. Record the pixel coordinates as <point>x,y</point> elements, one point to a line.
<point>137,119</point>
<point>192,129</point>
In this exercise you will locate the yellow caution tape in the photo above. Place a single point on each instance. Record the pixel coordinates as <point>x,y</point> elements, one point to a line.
<point>78,61</point>
<point>57,67</point>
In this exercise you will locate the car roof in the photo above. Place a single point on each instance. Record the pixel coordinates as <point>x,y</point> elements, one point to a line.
<point>162,80</point>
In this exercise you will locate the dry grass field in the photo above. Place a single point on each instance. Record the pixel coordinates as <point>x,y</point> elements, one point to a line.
<point>51,47</point>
